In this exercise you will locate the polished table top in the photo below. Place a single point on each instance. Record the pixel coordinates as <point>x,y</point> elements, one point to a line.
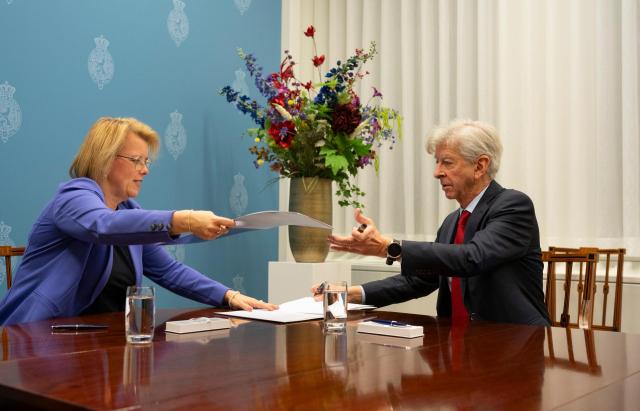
<point>261,365</point>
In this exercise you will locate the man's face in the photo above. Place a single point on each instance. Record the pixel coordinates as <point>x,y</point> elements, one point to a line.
<point>458,177</point>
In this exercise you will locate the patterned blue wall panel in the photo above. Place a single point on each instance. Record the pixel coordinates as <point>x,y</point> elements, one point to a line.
<point>65,63</point>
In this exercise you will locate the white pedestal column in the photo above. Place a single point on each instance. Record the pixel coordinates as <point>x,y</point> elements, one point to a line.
<point>289,280</point>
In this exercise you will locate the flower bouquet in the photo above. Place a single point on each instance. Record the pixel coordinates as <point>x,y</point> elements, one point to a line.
<point>317,130</point>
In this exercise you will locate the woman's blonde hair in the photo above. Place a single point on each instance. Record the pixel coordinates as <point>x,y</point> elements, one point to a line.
<point>103,142</point>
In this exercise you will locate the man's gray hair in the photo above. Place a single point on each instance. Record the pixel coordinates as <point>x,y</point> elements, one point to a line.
<point>472,139</point>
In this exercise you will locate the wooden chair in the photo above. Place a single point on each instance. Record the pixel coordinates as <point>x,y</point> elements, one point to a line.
<point>585,289</point>
<point>7,252</point>
<point>613,259</point>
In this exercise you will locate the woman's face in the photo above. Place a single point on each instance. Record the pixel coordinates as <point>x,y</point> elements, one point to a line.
<point>127,171</point>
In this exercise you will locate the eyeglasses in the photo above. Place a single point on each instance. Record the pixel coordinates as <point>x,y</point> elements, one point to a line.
<point>138,162</point>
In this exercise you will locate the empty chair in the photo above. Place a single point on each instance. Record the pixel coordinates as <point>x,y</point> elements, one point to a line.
<point>609,267</point>
<point>7,252</point>
<point>583,300</point>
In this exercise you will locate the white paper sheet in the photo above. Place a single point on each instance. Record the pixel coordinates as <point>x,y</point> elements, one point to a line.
<point>302,309</point>
<point>270,219</point>
<point>311,306</point>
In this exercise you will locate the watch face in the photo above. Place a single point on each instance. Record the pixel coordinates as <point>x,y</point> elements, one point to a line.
<point>394,250</point>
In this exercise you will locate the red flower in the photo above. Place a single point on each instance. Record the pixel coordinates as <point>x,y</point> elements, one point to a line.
<point>345,118</point>
<point>283,133</point>
<point>310,31</point>
<point>307,85</point>
<point>318,60</point>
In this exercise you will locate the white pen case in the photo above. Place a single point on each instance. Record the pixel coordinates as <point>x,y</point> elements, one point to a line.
<point>197,324</point>
<point>406,331</point>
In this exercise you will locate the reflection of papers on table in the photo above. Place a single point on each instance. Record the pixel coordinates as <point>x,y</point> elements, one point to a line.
<point>302,309</point>
<point>270,219</point>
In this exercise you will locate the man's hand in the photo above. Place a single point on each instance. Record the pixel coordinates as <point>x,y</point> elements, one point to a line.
<point>354,293</point>
<point>366,242</point>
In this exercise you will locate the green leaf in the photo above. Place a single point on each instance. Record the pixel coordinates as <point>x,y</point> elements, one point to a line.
<point>327,151</point>
<point>337,163</point>
<point>360,147</point>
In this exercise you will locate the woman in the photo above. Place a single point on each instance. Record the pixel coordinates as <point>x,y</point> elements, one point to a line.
<point>92,240</point>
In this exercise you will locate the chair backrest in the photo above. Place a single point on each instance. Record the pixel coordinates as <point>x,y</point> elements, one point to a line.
<point>7,252</point>
<point>585,289</point>
<point>609,319</point>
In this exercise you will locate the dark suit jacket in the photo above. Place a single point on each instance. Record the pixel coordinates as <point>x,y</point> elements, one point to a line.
<point>499,262</point>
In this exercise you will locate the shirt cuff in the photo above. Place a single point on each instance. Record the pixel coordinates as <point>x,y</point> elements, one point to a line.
<point>363,294</point>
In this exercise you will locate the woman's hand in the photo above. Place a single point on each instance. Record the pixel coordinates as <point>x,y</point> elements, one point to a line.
<point>365,241</point>
<point>239,301</point>
<point>203,224</point>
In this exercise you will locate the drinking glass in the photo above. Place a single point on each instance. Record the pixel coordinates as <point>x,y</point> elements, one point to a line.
<point>334,306</point>
<point>140,313</point>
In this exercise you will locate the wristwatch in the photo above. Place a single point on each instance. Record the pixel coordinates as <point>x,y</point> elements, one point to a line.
<point>394,251</point>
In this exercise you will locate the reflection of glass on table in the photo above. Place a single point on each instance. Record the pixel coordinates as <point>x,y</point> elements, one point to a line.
<point>137,365</point>
<point>335,350</point>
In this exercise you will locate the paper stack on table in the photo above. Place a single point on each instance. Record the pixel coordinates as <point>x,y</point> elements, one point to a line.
<point>301,309</point>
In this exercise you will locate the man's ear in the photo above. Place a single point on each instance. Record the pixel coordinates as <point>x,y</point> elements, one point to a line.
<point>482,165</point>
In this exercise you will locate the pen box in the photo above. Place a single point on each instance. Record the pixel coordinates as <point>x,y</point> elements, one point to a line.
<point>405,331</point>
<point>196,325</point>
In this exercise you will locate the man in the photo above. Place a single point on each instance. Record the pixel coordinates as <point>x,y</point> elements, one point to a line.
<point>486,259</point>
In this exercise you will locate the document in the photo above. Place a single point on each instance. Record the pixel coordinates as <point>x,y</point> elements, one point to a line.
<point>260,221</point>
<point>311,306</point>
<point>302,309</point>
<point>270,219</point>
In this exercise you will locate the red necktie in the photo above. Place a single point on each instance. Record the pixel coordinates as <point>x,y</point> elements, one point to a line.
<point>458,310</point>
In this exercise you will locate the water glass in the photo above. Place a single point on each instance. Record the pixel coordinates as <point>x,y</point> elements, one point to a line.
<point>140,314</point>
<point>334,306</point>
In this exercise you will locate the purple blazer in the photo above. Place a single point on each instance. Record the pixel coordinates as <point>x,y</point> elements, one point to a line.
<point>70,253</point>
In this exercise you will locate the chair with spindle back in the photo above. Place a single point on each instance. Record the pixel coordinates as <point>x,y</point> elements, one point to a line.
<point>585,291</point>
<point>7,252</point>
<point>613,259</point>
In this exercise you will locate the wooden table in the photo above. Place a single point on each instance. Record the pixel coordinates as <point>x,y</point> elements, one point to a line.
<point>259,365</point>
